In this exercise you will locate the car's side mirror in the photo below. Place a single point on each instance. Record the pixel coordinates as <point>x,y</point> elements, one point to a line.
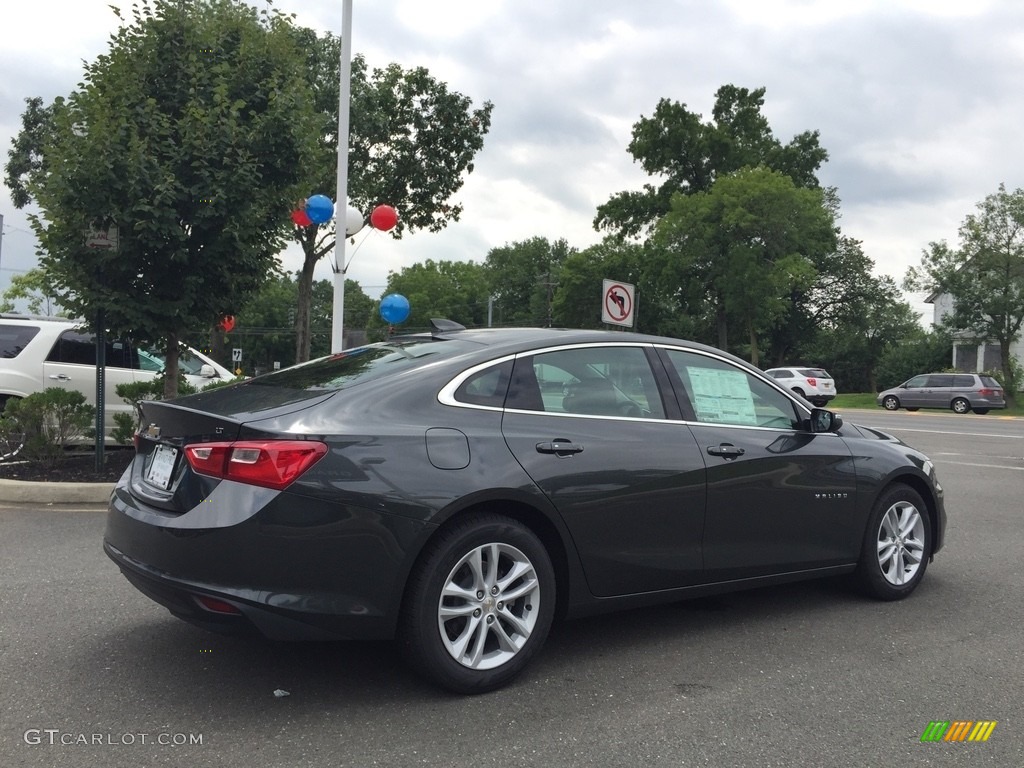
<point>825,421</point>
<point>207,372</point>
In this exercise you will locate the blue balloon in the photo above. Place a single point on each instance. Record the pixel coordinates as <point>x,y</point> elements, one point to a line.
<point>319,208</point>
<point>394,308</point>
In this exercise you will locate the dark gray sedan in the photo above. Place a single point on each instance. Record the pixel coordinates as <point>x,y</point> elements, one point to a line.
<point>461,490</point>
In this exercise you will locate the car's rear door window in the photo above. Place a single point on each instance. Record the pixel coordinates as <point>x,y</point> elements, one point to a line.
<point>940,380</point>
<point>76,348</point>
<point>963,381</point>
<point>590,381</point>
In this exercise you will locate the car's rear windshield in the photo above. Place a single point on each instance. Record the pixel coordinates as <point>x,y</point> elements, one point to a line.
<point>819,373</point>
<point>363,364</point>
<point>988,381</point>
<point>14,338</point>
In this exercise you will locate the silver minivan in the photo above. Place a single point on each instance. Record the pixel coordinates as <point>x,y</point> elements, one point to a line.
<point>961,392</point>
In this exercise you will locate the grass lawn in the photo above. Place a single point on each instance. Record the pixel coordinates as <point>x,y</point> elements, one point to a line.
<point>867,400</point>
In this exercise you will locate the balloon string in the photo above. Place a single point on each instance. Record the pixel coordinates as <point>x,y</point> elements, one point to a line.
<point>355,251</point>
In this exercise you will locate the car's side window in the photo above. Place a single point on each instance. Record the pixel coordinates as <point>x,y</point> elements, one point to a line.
<point>486,387</point>
<point>592,381</point>
<point>940,380</point>
<point>917,382</point>
<point>80,349</point>
<point>963,381</point>
<point>721,393</point>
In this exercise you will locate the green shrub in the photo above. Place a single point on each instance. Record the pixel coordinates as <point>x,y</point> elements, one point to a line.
<point>45,423</point>
<point>135,393</point>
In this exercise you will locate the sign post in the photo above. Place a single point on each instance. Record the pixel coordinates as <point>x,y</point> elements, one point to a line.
<point>102,237</point>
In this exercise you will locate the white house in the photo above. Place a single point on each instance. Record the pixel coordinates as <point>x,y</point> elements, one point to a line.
<point>969,356</point>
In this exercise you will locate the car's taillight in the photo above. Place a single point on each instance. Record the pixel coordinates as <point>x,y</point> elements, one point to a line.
<point>986,392</point>
<point>268,463</point>
<point>812,382</point>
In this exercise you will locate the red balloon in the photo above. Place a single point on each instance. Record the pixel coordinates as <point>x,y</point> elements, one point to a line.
<point>301,218</point>
<point>228,323</point>
<point>384,217</point>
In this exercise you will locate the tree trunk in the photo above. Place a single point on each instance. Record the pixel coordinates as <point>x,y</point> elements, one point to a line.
<point>217,346</point>
<point>754,356</point>
<point>723,326</point>
<point>1009,383</point>
<point>305,300</point>
<point>171,367</point>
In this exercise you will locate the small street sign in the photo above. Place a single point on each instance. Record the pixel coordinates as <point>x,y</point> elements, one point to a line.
<point>236,355</point>
<point>618,303</point>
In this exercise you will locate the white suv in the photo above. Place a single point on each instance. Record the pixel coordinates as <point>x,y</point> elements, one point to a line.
<point>813,384</point>
<point>41,352</point>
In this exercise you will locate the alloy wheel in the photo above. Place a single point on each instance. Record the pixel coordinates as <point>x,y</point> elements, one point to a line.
<point>489,606</point>
<point>901,543</point>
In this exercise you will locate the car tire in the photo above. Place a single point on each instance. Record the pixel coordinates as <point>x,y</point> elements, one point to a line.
<point>913,410</point>
<point>465,623</point>
<point>799,391</point>
<point>891,403</point>
<point>981,411</point>
<point>897,545</point>
<point>959,405</point>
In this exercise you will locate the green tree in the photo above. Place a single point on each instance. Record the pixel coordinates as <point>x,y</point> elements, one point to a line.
<point>917,352</point>
<point>522,278</point>
<point>189,135</point>
<point>35,290</point>
<point>741,248</point>
<point>852,346</point>
<point>25,158</point>
<point>984,277</point>
<point>844,319</point>
<point>688,155</point>
<point>264,327</point>
<point>455,290</point>
<point>411,143</point>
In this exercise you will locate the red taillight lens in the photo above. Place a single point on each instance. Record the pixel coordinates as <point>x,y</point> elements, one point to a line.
<point>812,382</point>
<point>216,606</point>
<point>985,392</point>
<point>268,463</point>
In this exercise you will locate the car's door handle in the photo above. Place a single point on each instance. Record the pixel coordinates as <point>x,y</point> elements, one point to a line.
<point>726,450</point>
<point>60,376</point>
<point>560,447</point>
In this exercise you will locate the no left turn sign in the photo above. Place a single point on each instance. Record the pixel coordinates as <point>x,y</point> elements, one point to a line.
<point>618,303</point>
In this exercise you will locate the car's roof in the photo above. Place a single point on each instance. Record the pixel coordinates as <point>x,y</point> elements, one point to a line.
<point>513,339</point>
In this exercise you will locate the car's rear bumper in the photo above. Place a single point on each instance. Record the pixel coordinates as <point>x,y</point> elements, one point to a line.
<point>298,569</point>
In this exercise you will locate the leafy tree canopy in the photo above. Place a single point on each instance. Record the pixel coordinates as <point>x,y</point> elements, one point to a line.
<point>984,276</point>
<point>455,290</point>
<point>412,142</point>
<point>35,291</point>
<point>264,326</point>
<point>189,135</point>
<point>522,278</point>
<point>741,248</point>
<point>688,155</point>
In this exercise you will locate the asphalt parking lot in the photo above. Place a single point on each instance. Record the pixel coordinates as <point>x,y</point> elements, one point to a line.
<point>810,674</point>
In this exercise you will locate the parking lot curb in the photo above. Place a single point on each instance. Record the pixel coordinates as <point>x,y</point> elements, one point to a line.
<point>28,492</point>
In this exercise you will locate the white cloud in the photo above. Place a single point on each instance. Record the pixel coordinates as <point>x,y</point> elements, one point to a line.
<point>917,102</point>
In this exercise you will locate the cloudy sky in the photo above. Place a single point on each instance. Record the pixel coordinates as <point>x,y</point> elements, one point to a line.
<point>918,103</point>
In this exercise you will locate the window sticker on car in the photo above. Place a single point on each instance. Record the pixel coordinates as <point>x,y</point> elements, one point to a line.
<point>722,396</point>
